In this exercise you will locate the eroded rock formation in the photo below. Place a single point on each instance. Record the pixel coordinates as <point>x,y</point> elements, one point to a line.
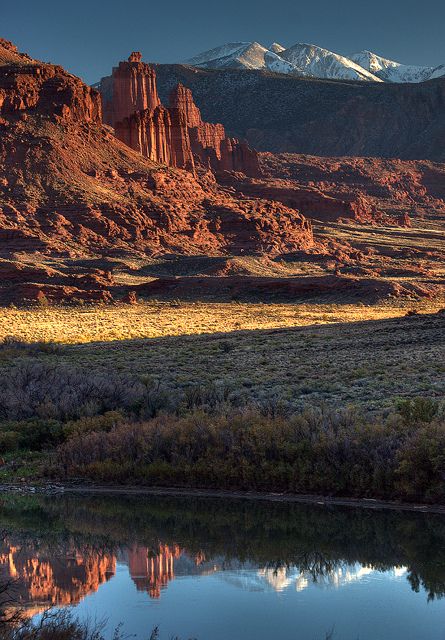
<point>133,87</point>
<point>69,188</point>
<point>364,189</point>
<point>175,135</point>
<point>47,90</point>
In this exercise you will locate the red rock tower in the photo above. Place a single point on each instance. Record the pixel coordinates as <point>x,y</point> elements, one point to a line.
<point>133,88</point>
<point>175,135</point>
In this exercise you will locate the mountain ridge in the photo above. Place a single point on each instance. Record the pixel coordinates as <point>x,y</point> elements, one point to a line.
<point>303,59</point>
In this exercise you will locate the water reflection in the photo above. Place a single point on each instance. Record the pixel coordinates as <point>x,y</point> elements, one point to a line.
<point>64,576</point>
<point>62,549</point>
<point>46,578</point>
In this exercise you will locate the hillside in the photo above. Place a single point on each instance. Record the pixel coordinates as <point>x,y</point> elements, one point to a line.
<point>282,113</point>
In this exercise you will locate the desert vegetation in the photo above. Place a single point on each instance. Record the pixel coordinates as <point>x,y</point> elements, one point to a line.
<point>369,363</point>
<point>123,430</point>
<point>312,452</point>
<point>351,409</point>
<point>157,319</point>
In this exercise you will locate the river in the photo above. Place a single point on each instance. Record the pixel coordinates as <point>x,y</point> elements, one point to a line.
<point>227,569</point>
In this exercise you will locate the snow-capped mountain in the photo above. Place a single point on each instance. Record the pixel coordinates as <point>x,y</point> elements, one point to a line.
<point>242,55</point>
<point>276,47</point>
<point>310,60</point>
<point>321,63</point>
<point>391,71</point>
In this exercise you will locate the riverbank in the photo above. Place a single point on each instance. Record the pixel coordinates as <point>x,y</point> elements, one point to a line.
<point>131,490</point>
<point>353,410</point>
<point>397,458</point>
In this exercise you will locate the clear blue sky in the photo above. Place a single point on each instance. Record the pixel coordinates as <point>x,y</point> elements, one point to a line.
<point>88,37</point>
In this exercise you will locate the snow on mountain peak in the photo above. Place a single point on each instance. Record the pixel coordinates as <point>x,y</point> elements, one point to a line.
<point>321,63</point>
<point>242,55</point>
<point>275,47</point>
<point>304,59</point>
<point>219,54</point>
<point>389,70</point>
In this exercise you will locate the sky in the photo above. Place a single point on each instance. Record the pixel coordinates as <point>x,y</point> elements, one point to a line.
<point>89,37</point>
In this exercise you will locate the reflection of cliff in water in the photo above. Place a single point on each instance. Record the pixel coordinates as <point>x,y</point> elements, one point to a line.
<point>59,552</point>
<point>44,578</point>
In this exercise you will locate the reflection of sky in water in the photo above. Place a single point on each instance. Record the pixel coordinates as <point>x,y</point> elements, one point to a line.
<point>281,579</point>
<point>256,604</point>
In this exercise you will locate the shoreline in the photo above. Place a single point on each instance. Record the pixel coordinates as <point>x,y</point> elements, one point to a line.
<point>326,501</point>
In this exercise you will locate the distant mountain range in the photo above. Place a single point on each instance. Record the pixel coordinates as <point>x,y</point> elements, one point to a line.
<point>313,61</point>
<point>287,113</point>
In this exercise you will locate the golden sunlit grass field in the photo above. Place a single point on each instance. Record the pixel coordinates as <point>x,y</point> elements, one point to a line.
<point>300,354</point>
<point>83,324</point>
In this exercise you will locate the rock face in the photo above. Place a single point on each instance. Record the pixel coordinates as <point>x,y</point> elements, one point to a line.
<point>313,201</point>
<point>133,89</point>
<point>364,189</point>
<point>47,90</point>
<point>175,135</point>
<point>9,54</point>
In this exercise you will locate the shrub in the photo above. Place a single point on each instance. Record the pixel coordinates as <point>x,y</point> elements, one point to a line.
<point>415,410</point>
<point>421,464</point>
<point>35,435</point>
<point>335,453</point>
<point>66,393</point>
<point>9,441</point>
<point>59,625</point>
<point>16,346</point>
<point>104,422</point>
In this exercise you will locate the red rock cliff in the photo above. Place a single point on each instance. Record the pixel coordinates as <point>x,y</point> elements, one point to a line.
<point>176,135</point>
<point>47,89</point>
<point>133,89</point>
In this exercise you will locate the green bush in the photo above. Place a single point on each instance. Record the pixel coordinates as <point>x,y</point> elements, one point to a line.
<point>34,435</point>
<point>421,465</point>
<point>105,422</point>
<point>9,441</point>
<point>415,410</point>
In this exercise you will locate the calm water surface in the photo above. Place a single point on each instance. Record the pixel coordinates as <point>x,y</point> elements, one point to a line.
<point>223,569</point>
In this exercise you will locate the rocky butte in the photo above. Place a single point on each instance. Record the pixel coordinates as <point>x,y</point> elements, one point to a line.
<point>175,135</point>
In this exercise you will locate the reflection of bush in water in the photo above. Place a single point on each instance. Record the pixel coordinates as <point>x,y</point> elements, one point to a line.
<point>315,540</point>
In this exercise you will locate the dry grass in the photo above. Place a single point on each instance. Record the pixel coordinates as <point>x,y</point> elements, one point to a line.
<point>74,325</point>
<point>296,354</point>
